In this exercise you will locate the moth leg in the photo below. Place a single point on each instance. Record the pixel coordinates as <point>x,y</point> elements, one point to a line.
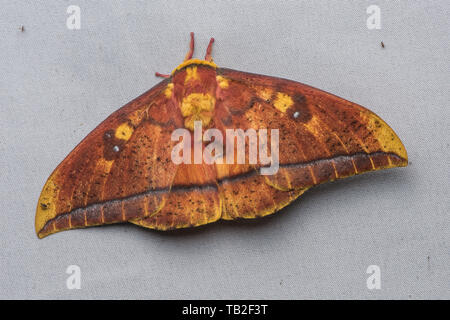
<point>191,48</point>
<point>208,50</point>
<point>162,75</point>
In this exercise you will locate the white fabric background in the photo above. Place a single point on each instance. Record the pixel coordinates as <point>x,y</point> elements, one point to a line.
<point>57,84</point>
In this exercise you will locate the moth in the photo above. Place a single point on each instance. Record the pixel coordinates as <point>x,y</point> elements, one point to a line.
<point>123,171</point>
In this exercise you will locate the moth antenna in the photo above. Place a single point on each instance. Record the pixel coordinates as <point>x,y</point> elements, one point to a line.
<point>208,50</point>
<point>191,48</point>
<point>162,75</point>
<point>188,57</point>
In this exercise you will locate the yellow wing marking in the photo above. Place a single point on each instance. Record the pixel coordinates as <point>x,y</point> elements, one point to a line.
<point>124,131</point>
<point>384,134</point>
<point>283,101</point>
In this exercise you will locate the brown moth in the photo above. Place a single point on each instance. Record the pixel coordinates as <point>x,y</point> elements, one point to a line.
<point>123,171</point>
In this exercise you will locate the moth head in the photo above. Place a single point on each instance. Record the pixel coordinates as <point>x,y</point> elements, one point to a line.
<point>189,62</point>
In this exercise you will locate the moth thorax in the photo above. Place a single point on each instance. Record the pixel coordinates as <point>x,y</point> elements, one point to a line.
<point>197,107</point>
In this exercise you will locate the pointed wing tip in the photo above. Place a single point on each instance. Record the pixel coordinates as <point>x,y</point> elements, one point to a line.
<point>401,154</point>
<point>46,229</point>
<point>386,137</point>
<point>40,220</point>
<point>404,162</point>
<point>41,235</point>
<point>46,206</point>
<point>40,224</point>
<point>396,160</point>
<point>45,212</point>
